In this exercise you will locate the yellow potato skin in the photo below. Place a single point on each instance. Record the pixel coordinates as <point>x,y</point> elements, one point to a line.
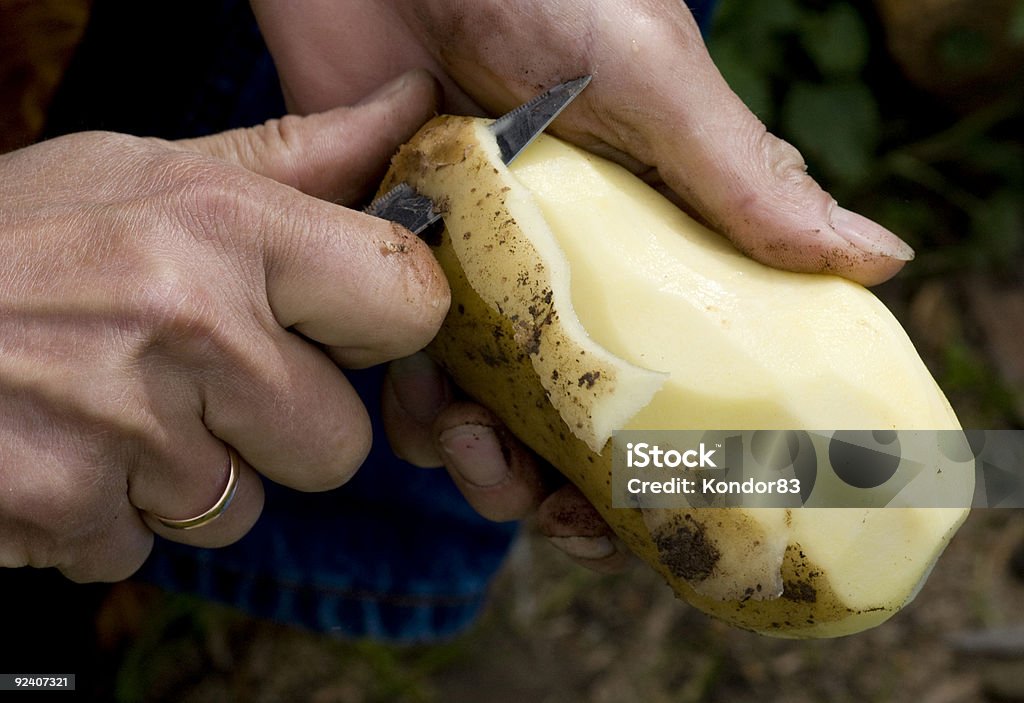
<point>485,354</point>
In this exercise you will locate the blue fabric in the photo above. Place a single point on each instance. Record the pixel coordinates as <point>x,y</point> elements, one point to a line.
<point>396,554</point>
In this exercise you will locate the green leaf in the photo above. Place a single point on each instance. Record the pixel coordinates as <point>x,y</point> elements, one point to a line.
<point>756,15</point>
<point>754,33</point>
<point>836,40</point>
<point>836,126</point>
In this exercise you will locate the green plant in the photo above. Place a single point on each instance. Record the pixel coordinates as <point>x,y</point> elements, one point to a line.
<point>818,73</point>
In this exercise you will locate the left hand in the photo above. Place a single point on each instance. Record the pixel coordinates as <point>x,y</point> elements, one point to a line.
<point>168,305</point>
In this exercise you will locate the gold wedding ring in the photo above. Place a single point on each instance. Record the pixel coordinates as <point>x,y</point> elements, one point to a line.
<point>217,509</point>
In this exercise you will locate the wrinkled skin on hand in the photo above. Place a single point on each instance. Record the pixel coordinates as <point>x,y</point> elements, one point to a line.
<point>657,105</point>
<point>159,300</point>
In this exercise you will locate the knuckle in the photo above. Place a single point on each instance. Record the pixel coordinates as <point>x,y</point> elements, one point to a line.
<point>59,515</point>
<point>184,193</point>
<point>212,197</point>
<point>274,146</point>
<point>183,280</point>
<point>784,160</point>
<point>776,192</point>
<point>336,466</point>
<point>280,135</point>
<point>173,307</point>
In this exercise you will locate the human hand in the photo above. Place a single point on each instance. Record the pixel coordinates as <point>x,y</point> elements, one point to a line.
<point>657,104</point>
<point>161,300</point>
<point>499,477</point>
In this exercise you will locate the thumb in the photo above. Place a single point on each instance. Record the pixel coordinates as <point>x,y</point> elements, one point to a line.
<point>754,188</point>
<point>717,156</point>
<point>365,288</point>
<point>338,155</point>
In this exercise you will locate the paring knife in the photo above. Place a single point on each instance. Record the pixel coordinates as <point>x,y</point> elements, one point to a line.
<point>513,131</point>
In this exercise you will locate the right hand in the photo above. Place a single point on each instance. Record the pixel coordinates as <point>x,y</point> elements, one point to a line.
<point>161,300</point>
<point>657,105</point>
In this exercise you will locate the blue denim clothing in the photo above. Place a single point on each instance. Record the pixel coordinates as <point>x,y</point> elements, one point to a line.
<point>396,554</point>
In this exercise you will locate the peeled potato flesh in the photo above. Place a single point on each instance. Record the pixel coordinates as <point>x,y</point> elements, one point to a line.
<point>584,302</point>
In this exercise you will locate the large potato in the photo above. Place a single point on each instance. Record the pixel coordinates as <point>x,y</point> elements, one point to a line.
<point>583,302</point>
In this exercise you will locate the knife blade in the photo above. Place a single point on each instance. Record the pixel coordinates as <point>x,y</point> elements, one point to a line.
<point>513,131</point>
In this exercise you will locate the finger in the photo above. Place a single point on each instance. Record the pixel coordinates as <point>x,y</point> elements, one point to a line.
<point>657,99</point>
<point>186,482</point>
<point>365,287</point>
<point>496,474</point>
<point>573,525</point>
<point>113,553</point>
<point>324,61</point>
<point>337,155</point>
<point>277,399</point>
<point>748,184</point>
<point>63,502</point>
<point>289,412</point>
<point>414,392</point>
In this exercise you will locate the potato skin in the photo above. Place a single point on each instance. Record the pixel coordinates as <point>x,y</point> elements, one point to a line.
<point>488,355</point>
<point>476,347</point>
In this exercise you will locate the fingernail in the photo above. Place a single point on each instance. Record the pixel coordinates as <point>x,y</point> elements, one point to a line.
<point>474,452</point>
<point>584,547</point>
<point>419,387</point>
<point>869,236</point>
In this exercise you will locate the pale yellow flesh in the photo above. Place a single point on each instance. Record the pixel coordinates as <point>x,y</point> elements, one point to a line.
<point>745,347</point>
<point>658,289</point>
